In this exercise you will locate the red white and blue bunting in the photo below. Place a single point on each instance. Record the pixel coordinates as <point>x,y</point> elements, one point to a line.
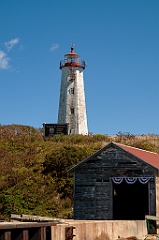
<point>131,180</point>
<point>144,180</point>
<point>117,180</point>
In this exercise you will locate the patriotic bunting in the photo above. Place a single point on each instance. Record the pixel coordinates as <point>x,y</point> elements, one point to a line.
<point>130,180</point>
<point>117,180</point>
<point>144,180</point>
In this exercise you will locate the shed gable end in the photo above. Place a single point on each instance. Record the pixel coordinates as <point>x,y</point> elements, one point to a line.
<point>113,157</point>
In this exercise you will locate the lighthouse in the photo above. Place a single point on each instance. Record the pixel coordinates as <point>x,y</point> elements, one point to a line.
<point>72,106</point>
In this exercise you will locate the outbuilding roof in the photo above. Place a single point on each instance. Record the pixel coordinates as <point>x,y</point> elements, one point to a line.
<point>150,158</point>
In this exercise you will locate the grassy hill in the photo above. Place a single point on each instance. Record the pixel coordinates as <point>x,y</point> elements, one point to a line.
<point>34,175</point>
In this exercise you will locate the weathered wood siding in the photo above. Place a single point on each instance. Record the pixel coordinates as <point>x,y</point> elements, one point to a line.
<point>157,196</point>
<point>93,188</point>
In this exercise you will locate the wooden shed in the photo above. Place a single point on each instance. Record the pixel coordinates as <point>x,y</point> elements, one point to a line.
<point>118,182</point>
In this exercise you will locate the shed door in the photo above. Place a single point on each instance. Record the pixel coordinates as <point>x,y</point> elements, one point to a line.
<point>102,199</point>
<point>130,201</point>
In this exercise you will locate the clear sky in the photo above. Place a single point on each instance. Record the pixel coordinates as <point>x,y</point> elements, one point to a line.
<point>118,39</point>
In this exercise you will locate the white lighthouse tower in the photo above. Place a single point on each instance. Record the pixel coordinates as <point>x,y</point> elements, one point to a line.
<point>72,106</point>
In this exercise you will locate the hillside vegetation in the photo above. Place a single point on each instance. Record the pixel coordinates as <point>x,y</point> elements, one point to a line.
<point>34,175</point>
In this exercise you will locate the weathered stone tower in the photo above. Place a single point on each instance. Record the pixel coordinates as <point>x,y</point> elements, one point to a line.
<point>72,107</point>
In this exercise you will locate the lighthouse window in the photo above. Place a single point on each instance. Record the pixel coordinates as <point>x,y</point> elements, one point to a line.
<point>72,91</point>
<point>72,111</point>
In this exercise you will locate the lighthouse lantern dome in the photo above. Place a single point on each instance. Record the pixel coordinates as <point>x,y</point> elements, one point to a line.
<point>72,59</point>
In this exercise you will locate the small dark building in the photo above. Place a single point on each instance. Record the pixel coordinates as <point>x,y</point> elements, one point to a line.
<point>118,182</point>
<point>51,129</point>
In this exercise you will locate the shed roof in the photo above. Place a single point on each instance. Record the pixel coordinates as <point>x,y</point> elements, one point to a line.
<point>150,158</point>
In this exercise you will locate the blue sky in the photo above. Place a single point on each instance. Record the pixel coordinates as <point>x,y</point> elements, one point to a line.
<point>118,39</point>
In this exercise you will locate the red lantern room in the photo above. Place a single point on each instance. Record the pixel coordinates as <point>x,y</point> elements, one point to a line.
<point>72,59</point>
